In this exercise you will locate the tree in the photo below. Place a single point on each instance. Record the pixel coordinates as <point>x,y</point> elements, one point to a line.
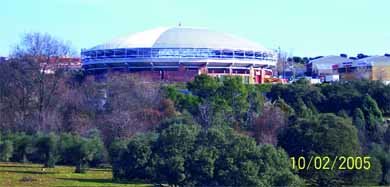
<point>117,151</point>
<point>23,146</point>
<point>173,148</point>
<point>203,86</point>
<point>235,95</point>
<point>371,111</point>
<point>83,151</point>
<point>186,155</point>
<point>256,105</point>
<point>374,120</point>
<point>383,157</point>
<point>269,124</point>
<point>101,154</point>
<point>78,151</point>
<point>327,134</point>
<point>358,119</point>
<point>6,150</point>
<point>47,146</point>
<point>131,106</point>
<point>17,88</point>
<point>371,177</point>
<point>42,48</point>
<point>37,44</point>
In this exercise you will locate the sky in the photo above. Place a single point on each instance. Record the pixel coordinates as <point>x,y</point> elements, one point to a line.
<point>298,27</point>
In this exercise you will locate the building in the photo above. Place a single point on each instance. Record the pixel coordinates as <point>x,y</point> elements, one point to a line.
<point>50,66</point>
<point>181,53</point>
<point>370,68</point>
<point>327,65</point>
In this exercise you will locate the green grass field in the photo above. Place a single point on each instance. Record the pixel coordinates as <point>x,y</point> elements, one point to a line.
<point>25,175</point>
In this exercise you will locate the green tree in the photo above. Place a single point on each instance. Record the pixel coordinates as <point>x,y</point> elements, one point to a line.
<point>138,157</point>
<point>47,146</point>
<point>117,151</point>
<point>172,149</point>
<point>358,119</point>
<point>6,150</point>
<point>383,157</point>
<point>328,135</point>
<point>101,155</point>
<point>204,86</point>
<point>23,146</point>
<point>287,109</point>
<point>78,151</point>
<point>235,94</point>
<point>371,177</point>
<point>371,110</point>
<point>188,156</point>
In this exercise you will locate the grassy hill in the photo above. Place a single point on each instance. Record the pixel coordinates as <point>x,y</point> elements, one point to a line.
<point>16,174</point>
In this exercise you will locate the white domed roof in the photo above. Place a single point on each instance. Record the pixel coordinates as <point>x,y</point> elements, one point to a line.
<point>181,37</point>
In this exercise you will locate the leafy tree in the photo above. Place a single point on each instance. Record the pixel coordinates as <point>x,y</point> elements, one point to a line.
<point>235,94</point>
<point>117,151</point>
<point>47,146</point>
<point>204,86</point>
<point>6,150</point>
<point>328,135</point>
<point>370,177</point>
<point>172,149</point>
<point>23,146</point>
<point>185,155</point>
<point>371,111</point>
<point>287,109</point>
<point>358,119</point>
<point>82,151</point>
<point>383,157</point>
<point>101,154</point>
<point>78,151</point>
<point>138,156</point>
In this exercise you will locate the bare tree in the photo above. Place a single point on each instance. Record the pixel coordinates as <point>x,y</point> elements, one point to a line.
<point>41,47</point>
<point>282,62</point>
<point>133,105</point>
<point>267,125</point>
<point>17,95</point>
<point>44,50</point>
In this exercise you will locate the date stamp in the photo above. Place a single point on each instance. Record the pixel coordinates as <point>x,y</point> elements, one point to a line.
<point>331,163</point>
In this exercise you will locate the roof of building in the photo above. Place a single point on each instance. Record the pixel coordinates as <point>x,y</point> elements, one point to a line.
<point>372,61</point>
<point>327,62</point>
<point>181,37</point>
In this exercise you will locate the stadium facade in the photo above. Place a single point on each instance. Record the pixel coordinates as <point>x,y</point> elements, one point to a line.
<point>181,53</point>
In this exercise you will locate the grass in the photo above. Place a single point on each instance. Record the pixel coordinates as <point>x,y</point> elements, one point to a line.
<point>26,175</point>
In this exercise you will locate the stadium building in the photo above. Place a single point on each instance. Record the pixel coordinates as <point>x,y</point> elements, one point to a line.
<point>181,53</point>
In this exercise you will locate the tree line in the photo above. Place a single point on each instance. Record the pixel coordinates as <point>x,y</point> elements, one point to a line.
<point>51,149</point>
<point>208,132</point>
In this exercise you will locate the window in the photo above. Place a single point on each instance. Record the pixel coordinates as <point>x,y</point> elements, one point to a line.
<point>119,53</point>
<point>144,52</point>
<point>132,52</point>
<point>258,55</point>
<point>215,53</point>
<point>227,54</point>
<point>249,54</point>
<point>239,54</point>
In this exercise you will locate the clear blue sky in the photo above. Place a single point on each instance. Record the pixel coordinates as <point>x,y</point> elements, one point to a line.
<point>299,27</point>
